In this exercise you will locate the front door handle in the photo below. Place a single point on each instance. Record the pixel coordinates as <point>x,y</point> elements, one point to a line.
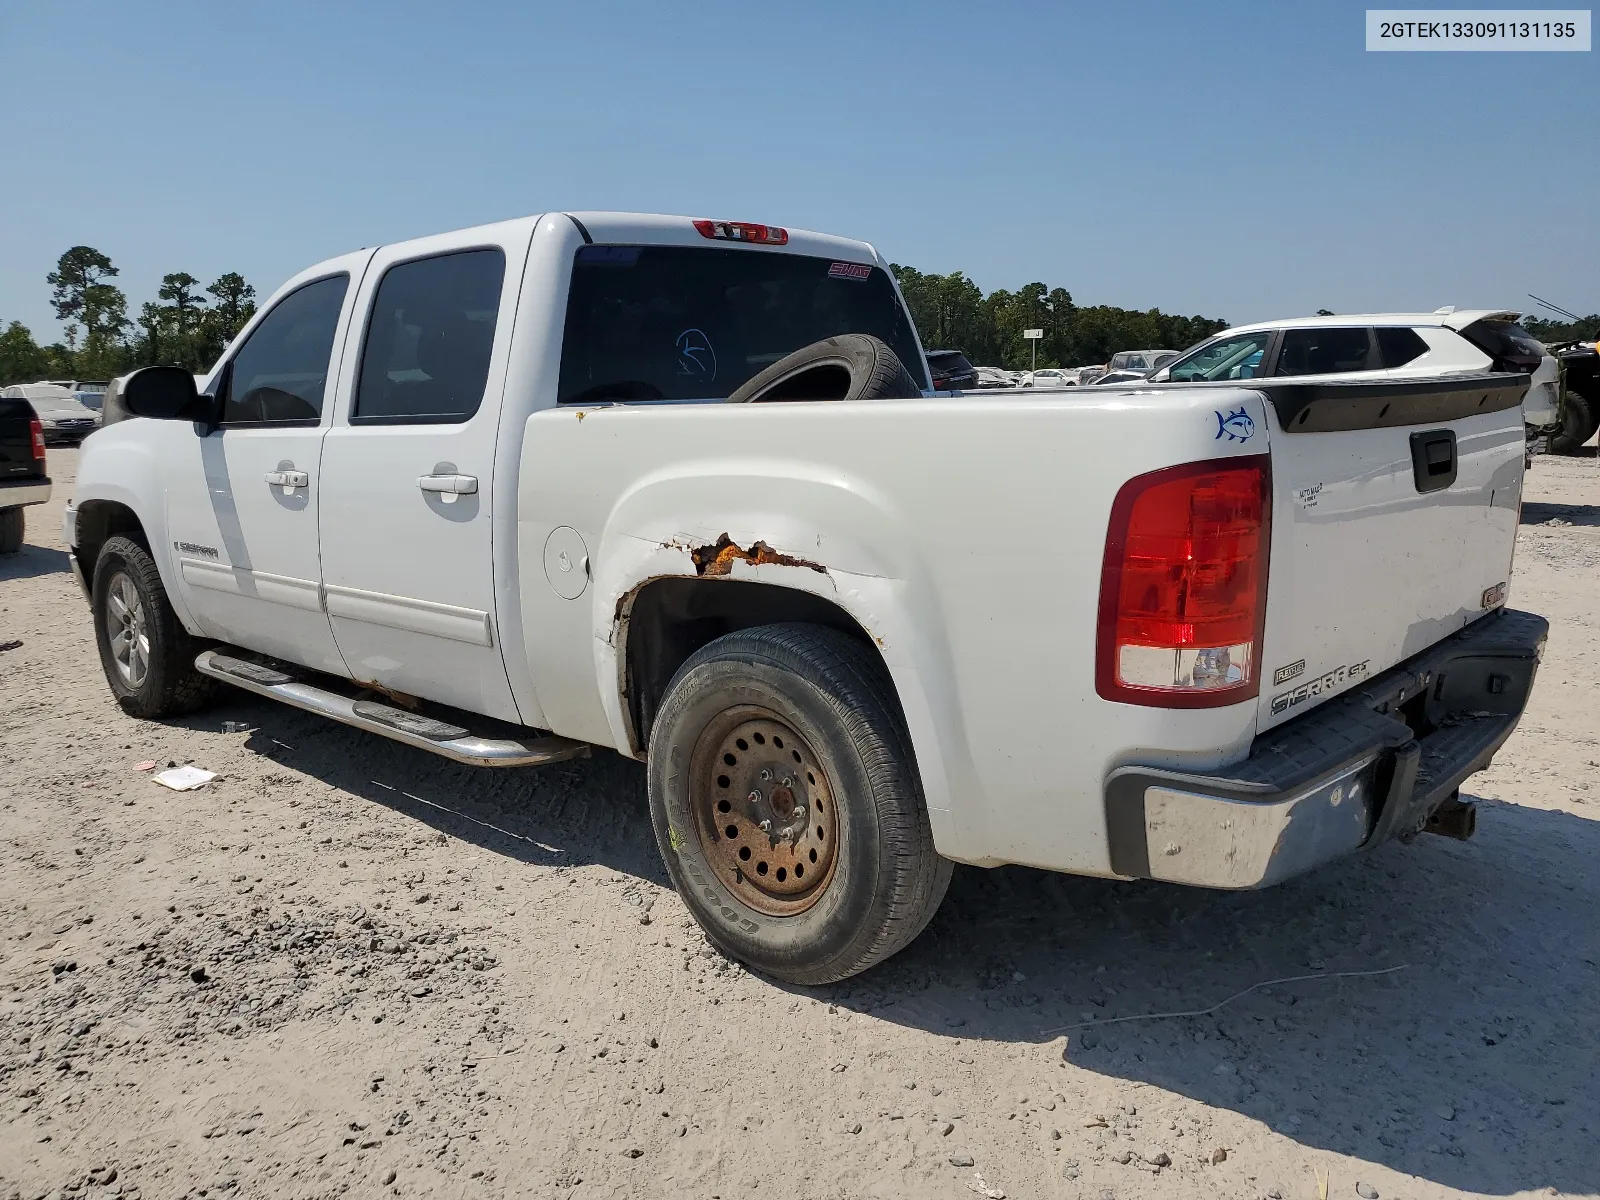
<point>288,479</point>
<point>450,485</point>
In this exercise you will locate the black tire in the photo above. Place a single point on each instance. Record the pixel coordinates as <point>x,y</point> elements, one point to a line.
<point>852,366</point>
<point>12,526</point>
<point>168,685</point>
<point>1579,420</point>
<point>884,880</point>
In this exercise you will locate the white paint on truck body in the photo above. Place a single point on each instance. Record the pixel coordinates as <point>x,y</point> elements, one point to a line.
<point>964,534</point>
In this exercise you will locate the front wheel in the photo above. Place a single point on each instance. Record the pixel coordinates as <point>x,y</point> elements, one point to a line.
<point>147,655</point>
<point>786,803</point>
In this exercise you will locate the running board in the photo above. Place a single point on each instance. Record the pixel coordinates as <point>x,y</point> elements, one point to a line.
<point>413,729</point>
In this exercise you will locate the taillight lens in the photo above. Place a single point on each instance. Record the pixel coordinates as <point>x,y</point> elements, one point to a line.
<point>36,435</point>
<point>743,231</point>
<point>1183,588</point>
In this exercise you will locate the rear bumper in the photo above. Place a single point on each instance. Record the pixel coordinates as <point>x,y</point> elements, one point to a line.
<point>16,493</point>
<point>1367,766</point>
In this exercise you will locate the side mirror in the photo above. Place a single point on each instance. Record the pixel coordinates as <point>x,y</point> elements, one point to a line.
<point>1161,376</point>
<point>166,394</point>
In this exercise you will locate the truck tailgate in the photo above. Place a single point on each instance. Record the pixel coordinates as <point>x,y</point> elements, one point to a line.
<point>1395,509</point>
<point>16,441</point>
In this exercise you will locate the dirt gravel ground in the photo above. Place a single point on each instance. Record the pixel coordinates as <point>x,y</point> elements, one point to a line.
<point>350,968</point>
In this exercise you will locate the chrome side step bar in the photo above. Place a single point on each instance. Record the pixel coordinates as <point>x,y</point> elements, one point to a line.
<point>413,729</point>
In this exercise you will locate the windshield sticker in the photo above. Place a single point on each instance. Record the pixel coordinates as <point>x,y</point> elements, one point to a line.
<point>1237,425</point>
<point>696,358</point>
<point>849,271</point>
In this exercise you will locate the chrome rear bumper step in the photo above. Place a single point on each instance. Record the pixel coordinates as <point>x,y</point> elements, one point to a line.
<point>413,729</point>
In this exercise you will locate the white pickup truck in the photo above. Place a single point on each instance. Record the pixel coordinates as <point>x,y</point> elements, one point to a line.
<point>681,488</point>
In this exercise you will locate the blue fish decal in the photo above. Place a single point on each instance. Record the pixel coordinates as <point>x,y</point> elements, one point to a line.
<point>1237,425</point>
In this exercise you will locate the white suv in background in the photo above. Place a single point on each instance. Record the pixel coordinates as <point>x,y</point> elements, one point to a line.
<point>1382,346</point>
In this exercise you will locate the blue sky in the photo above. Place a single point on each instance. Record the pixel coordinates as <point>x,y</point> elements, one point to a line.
<point>1238,160</point>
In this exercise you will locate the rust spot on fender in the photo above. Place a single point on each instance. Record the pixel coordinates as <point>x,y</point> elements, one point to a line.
<point>718,558</point>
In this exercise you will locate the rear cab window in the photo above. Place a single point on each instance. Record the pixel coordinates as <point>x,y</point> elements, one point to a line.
<point>695,323</point>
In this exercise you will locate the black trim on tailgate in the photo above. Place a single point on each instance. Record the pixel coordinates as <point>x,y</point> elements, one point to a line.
<point>1335,407</point>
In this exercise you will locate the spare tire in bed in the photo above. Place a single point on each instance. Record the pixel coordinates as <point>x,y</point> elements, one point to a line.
<point>852,366</point>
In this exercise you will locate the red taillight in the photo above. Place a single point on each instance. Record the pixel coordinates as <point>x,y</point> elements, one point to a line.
<point>36,434</point>
<point>743,231</point>
<point>1183,588</point>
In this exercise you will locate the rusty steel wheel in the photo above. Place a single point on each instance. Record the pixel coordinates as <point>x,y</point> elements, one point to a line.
<point>787,806</point>
<point>764,811</point>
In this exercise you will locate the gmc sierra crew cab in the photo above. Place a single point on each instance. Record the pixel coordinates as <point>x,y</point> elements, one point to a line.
<point>683,488</point>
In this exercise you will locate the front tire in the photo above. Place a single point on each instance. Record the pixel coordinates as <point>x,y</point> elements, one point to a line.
<point>12,527</point>
<point>147,655</point>
<point>787,806</point>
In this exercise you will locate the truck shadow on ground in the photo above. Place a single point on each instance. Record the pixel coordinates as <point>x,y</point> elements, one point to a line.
<point>1473,1061</point>
<point>1571,514</point>
<point>32,561</point>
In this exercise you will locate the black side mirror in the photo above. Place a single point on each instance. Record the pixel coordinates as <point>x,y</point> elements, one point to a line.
<point>166,394</point>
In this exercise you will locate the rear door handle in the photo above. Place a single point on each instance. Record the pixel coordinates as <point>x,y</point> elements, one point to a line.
<point>288,479</point>
<point>452,485</point>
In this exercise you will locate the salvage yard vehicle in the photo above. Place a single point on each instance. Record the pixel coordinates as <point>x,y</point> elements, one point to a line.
<point>1371,346</point>
<point>63,417</point>
<point>1580,399</point>
<point>683,488</point>
<point>23,478</point>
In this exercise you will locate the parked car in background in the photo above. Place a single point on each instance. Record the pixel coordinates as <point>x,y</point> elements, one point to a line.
<point>90,393</point>
<point>1449,341</point>
<point>23,480</point>
<point>1087,375</point>
<point>1053,377</point>
<point>64,419</point>
<point>951,371</point>
<point>1140,360</point>
<point>1119,377</point>
<point>995,377</point>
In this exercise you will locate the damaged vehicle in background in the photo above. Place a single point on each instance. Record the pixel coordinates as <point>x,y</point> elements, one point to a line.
<point>1372,346</point>
<point>678,487</point>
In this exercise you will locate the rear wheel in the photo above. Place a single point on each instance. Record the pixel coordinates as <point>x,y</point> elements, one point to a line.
<point>786,803</point>
<point>12,526</point>
<point>147,655</point>
<point>1579,419</point>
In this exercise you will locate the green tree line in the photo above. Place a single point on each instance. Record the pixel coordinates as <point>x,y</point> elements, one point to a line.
<point>952,313</point>
<point>1584,329</point>
<point>184,326</point>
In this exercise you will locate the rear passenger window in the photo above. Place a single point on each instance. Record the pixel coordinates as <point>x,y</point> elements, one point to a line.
<point>1320,351</point>
<point>280,373</point>
<point>426,358</point>
<point>1398,346</point>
